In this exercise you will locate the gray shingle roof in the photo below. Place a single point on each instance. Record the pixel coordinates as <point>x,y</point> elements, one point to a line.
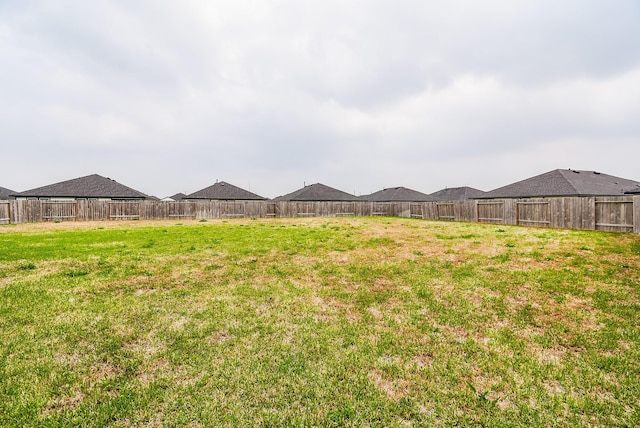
<point>178,197</point>
<point>398,194</point>
<point>224,192</point>
<point>317,192</point>
<point>4,193</point>
<point>457,194</point>
<point>565,182</point>
<point>91,186</point>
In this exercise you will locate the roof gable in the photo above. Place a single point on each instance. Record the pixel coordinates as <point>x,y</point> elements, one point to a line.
<point>565,182</point>
<point>4,192</point>
<point>224,191</point>
<point>91,186</point>
<point>318,192</point>
<point>398,194</point>
<point>457,194</point>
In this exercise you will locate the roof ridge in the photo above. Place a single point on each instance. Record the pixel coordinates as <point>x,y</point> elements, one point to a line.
<point>567,180</point>
<point>85,186</point>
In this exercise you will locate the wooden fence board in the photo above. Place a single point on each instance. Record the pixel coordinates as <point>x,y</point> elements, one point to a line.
<point>5,212</point>
<point>557,207</point>
<point>588,214</point>
<point>636,214</point>
<point>510,212</point>
<point>468,211</point>
<point>568,214</point>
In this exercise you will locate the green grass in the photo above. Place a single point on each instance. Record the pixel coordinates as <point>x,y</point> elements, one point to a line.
<point>318,322</point>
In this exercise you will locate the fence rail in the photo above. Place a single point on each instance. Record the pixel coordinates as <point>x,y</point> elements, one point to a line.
<point>617,214</point>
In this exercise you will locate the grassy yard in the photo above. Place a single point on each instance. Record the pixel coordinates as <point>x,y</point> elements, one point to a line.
<point>317,322</point>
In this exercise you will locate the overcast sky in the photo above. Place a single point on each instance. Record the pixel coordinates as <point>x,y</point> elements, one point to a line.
<point>170,96</point>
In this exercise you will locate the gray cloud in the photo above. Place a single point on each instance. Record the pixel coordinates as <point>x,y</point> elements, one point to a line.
<point>167,97</point>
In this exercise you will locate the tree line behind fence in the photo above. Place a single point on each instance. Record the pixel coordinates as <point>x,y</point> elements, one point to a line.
<point>618,214</point>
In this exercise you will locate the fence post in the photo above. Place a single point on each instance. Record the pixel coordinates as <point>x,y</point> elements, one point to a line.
<point>636,214</point>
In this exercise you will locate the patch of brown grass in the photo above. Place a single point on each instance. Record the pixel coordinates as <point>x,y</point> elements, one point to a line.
<point>63,403</point>
<point>394,389</point>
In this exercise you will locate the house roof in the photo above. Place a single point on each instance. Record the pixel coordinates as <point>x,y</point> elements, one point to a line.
<point>224,191</point>
<point>91,186</point>
<point>457,194</point>
<point>634,191</point>
<point>398,194</point>
<point>178,197</point>
<point>4,193</point>
<point>317,192</point>
<point>565,182</point>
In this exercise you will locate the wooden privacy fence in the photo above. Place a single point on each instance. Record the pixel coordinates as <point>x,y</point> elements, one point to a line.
<point>616,213</point>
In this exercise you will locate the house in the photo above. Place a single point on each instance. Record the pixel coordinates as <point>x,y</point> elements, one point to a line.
<point>222,191</point>
<point>317,192</point>
<point>457,194</point>
<point>92,187</point>
<point>174,198</point>
<point>565,182</point>
<point>4,193</point>
<point>398,194</point>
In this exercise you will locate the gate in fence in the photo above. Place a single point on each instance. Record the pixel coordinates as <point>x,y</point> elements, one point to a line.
<point>124,210</point>
<point>270,209</point>
<point>344,209</point>
<point>180,210</point>
<point>381,209</point>
<point>59,210</point>
<point>416,211</point>
<point>445,211</point>
<point>490,211</point>
<point>614,215</point>
<point>533,213</point>
<point>305,209</point>
<point>230,209</point>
